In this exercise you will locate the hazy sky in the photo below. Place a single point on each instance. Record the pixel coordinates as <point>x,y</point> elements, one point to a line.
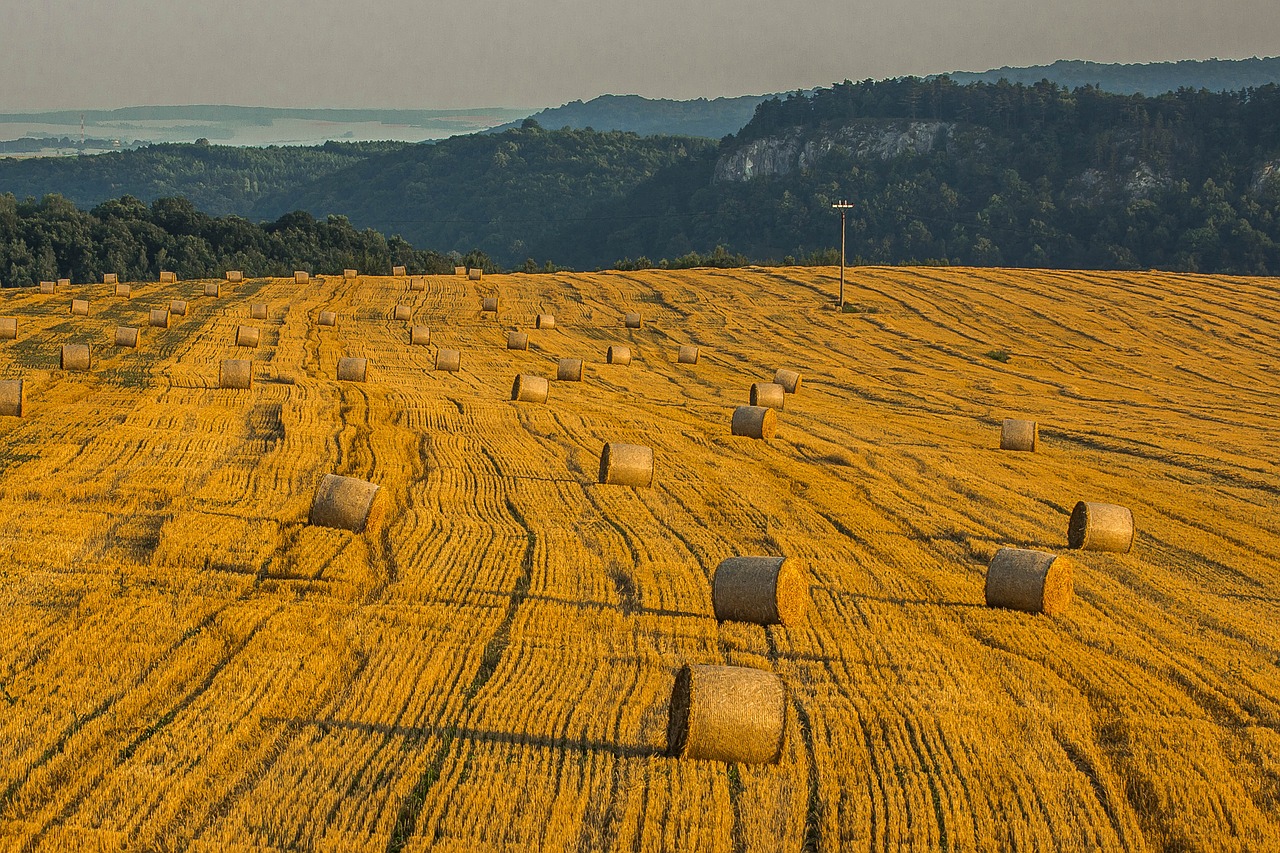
<point>60,54</point>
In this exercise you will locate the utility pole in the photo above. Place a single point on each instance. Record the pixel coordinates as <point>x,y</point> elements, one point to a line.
<point>844,207</point>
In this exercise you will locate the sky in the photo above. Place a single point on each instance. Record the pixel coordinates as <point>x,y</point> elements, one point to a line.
<point>447,54</point>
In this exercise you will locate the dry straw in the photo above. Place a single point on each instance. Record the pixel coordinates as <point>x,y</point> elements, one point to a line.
<point>788,379</point>
<point>1019,435</point>
<point>529,389</point>
<point>257,311</point>
<point>127,336</point>
<point>167,277</point>
<point>449,360</point>
<point>726,713</point>
<point>420,335</point>
<point>754,422</point>
<point>178,307</point>
<point>235,275</point>
<point>328,318</point>
<point>618,355</point>
<point>545,321</point>
<point>687,354</point>
<point>518,340</point>
<point>403,312</point>
<point>626,465</point>
<point>13,396</point>
<point>475,274</point>
<point>301,276</point>
<point>398,272</point>
<point>247,336</point>
<point>8,328</point>
<point>1101,527</point>
<point>490,303</point>
<point>110,278</point>
<point>74,357</point>
<point>769,394</point>
<point>48,287</point>
<point>633,320</point>
<point>459,270</point>
<point>125,290</point>
<point>235,373</point>
<point>1032,581</point>
<point>80,307</point>
<point>344,503</point>
<point>569,370</point>
<point>160,317</point>
<point>350,273</point>
<point>762,590</point>
<point>212,288</point>
<point>352,369</point>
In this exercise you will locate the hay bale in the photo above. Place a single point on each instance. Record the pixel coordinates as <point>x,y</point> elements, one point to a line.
<point>110,278</point>
<point>762,590</point>
<point>403,312</point>
<point>13,397</point>
<point>687,354</point>
<point>352,369</point>
<point>48,287</point>
<point>626,465</point>
<point>770,394</point>
<point>127,336</point>
<point>327,318</point>
<point>257,310</point>
<point>459,270</point>
<point>1031,581</point>
<point>569,370</point>
<point>529,389</point>
<point>248,336</point>
<point>235,373</point>
<point>398,272</point>
<point>213,288</point>
<point>235,275</point>
<point>490,303</point>
<point>8,328</point>
<point>1019,435</point>
<point>475,274</point>
<point>64,282</point>
<point>726,713</point>
<point>74,357</point>
<point>449,360</point>
<point>417,284</point>
<point>168,277</point>
<point>545,321</point>
<point>160,317</point>
<point>518,340</point>
<point>301,276</point>
<point>789,379</point>
<point>178,307</point>
<point>350,273</point>
<point>124,290</point>
<point>1101,527</point>
<point>80,307</point>
<point>420,335</point>
<point>344,503</point>
<point>633,321</point>
<point>755,422</point>
<point>618,355</point>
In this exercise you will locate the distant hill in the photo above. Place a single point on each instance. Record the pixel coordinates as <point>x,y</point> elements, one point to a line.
<point>650,117</point>
<point>1153,78</point>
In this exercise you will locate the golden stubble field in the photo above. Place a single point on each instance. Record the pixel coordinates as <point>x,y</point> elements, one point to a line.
<point>186,664</point>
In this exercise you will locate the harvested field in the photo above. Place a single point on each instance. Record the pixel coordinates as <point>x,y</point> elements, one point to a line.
<point>188,664</point>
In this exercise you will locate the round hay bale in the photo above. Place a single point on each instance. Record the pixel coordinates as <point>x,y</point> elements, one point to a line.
<point>569,370</point>
<point>420,335</point>
<point>475,274</point>
<point>1031,581</point>
<point>301,276</point>
<point>770,394</point>
<point>64,282</point>
<point>74,357</point>
<point>235,275</point>
<point>518,340</point>
<point>788,379</point>
<point>626,465</point>
<point>178,307</point>
<point>110,278</point>
<point>127,336</point>
<point>755,422</point>
<point>167,277</point>
<point>235,373</point>
<point>761,590</point>
<point>80,307</point>
<point>417,284</point>
<point>545,321</point>
<point>687,354</point>
<point>48,287</point>
<point>159,318</point>
<point>13,396</point>
<point>398,272</point>
<point>350,273</point>
<point>1100,527</point>
<point>633,320</point>
<point>125,290</point>
<point>618,355</point>
<point>247,336</point>
<point>529,389</point>
<point>726,713</point>
<point>212,288</point>
<point>459,270</point>
<point>403,313</point>
<point>257,311</point>
<point>344,503</point>
<point>8,328</point>
<point>490,303</point>
<point>352,369</point>
<point>328,318</point>
<point>449,360</point>
<point>1019,435</point>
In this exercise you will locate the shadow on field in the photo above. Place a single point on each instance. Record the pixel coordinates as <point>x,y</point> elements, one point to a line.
<point>887,599</point>
<point>635,610</point>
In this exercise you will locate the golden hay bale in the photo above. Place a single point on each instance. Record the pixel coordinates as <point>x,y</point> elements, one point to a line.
<point>80,307</point>
<point>1100,527</point>
<point>618,355</point>
<point>344,503</point>
<point>257,310</point>
<point>529,389</point>
<point>168,277</point>
<point>13,396</point>
<point>475,274</point>
<point>626,465</point>
<point>726,713</point>
<point>403,312</point>
<point>125,290</point>
<point>755,422</point>
<point>110,278</point>
<point>48,287</point>
<point>300,276</point>
<point>687,354</point>
<point>633,321</point>
<point>160,317</point>
<point>213,288</point>
<point>350,273</point>
<point>247,336</point>
<point>74,357</point>
<point>127,336</point>
<point>64,282</point>
<point>420,335</point>
<point>398,272</point>
<point>178,307</point>
<point>235,275</point>
<point>569,370</point>
<point>352,369</point>
<point>235,373</point>
<point>449,360</point>
<point>327,318</point>
<point>788,379</point>
<point>1019,435</point>
<point>459,270</point>
<point>417,284</point>
<point>545,321</point>
<point>769,394</point>
<point>518,340</point>
<point>1032,581</point>
<point>490,303</point>
<point>763,590</point>
<point>8,328</point>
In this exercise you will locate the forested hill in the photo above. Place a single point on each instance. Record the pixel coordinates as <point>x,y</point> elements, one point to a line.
<point>713,118</point>
<point>1151,78</point>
